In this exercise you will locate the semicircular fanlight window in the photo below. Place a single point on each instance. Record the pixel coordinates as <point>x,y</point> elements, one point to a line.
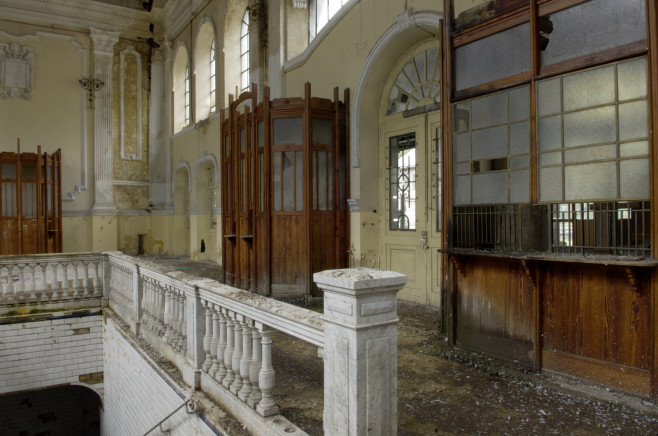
<point>418,83</point>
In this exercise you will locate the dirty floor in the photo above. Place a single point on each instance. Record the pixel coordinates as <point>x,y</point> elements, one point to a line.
<point>446,390</point>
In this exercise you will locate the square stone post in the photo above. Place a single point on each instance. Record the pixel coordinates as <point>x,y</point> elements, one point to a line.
<point>137,290</point>
<point>195,323</point>
<point>360,350</point>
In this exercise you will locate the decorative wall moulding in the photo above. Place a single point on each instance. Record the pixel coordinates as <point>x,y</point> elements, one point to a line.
<point>16,70</point>
<point>300,4</point>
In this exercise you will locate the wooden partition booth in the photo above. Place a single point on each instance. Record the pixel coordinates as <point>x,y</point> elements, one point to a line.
<point>284,187</point>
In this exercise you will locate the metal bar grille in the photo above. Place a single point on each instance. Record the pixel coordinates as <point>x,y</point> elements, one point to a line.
<point>486,227</point>
<point>613,228</point>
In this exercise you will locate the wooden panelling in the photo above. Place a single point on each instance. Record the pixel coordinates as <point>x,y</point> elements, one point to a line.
<point>288,250</point>
<point>594,312</point>
<point>618,376</point>
<point>496,297</point>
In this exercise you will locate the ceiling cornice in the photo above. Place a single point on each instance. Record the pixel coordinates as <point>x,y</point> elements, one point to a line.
<point>178,14</point>
<point>82,15</point>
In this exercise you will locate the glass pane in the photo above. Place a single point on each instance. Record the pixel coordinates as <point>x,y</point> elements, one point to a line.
<point>589,88</point>
<point>490,143</point>
<point>594,181</point>
<point>402,189</point>
<point>490,188</point>
<point>550,133</point>
<point>9,199</point>
<point>601,152</point>
<point>632,79</point>
<point>28,171</point>
<point>489,111</point>
<point>322,131</point>
<point>227,146</point>
<point>549,97</point>
<point>462,190</point>
<point>276,179</point>
<point>315,179</point>
<point>243,140</point>
<point>299,191</point>
<point>634,178</point>
<point>519,138</point>
<point>519,104</point>
<point>519,191</point>
<point>592,27</point>
<point>519,162</point>
<point>640,148</point>
<point>322,180</point>
<point>554,158</point>
<point>462,147</point>
<point>243,173</point>
<point>633,120</point>
<point>261,134</point>
<point>505,54</point>
<point>261,183</point>
<point>330,181</point>
<point>8,171</point>
<point>550,184</point>
<point>590,127</point>
<point>287,131</point>
<point>288,180</point>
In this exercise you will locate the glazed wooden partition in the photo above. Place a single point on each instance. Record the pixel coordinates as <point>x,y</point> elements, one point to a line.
<point>284,189</point>
<point>30,202</point>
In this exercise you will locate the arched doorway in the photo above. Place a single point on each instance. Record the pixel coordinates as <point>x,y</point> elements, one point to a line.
<point>181,230</point>
<point>410,173</point>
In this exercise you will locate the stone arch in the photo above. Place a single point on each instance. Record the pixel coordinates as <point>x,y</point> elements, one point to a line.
<point>235,11</point>
<point>206,34</point>
<point>410,29</point>
<point>205,157</point>
<point>181,190</point>
<point>180,64</point>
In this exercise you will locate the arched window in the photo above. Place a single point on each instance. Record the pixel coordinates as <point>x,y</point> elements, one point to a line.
<point>204,71</point>
<point>213,84</point>
<point>417,84</point>
<point>244,53</point>
<point>182,113</point>
<point>188,115</point>
<point>320,12</point>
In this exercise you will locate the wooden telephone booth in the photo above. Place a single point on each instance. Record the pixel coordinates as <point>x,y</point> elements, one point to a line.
<point>284,191</point>
<point>30,202</point>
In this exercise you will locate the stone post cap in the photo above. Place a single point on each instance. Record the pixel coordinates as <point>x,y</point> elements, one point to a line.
<point>355,279</point>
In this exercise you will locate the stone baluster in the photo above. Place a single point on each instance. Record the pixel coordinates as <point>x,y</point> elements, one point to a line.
<point>245,362</point>
<point>266,377</point>
<point>213,344</point>
<point>38,286</point>
<point>146,311</point>
<point>96,278</point>
<point>161,309</point>
<point>182,323</point>
<point>175,334</point>
<point>4,271</point>
<point>20,291</point>
<point>167,314</point>
<point>50,284</point>
<point>207,337</point>
<point>237,354</point>
<point>57,283</point>
<point>254,368</point>
<point>221,345</point>
<point>86,284</point>
<point>228,353</point>
<point>66,283</point>
<point>77,285</point>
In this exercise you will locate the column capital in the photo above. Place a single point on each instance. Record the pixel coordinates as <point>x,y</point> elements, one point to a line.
<point>103,40</point>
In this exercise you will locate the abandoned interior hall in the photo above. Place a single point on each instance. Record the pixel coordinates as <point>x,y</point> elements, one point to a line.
<point>492,159</point>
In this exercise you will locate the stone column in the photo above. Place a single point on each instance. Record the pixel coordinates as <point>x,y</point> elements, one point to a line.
<point>103,58</point>
<point>360,350</point>
<point>160,129</point>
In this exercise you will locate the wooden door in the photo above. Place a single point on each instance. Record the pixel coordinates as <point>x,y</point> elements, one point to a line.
<point>409,177</point>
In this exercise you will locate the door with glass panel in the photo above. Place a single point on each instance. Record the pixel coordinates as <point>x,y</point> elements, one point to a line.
<point>410,169</point>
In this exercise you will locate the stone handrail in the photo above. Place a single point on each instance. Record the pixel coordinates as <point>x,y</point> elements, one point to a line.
<point>50,278</point>
<point>220,338</point>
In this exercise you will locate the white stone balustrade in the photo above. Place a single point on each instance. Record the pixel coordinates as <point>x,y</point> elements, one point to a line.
<point>220,338</point>
<point>50,279</point>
